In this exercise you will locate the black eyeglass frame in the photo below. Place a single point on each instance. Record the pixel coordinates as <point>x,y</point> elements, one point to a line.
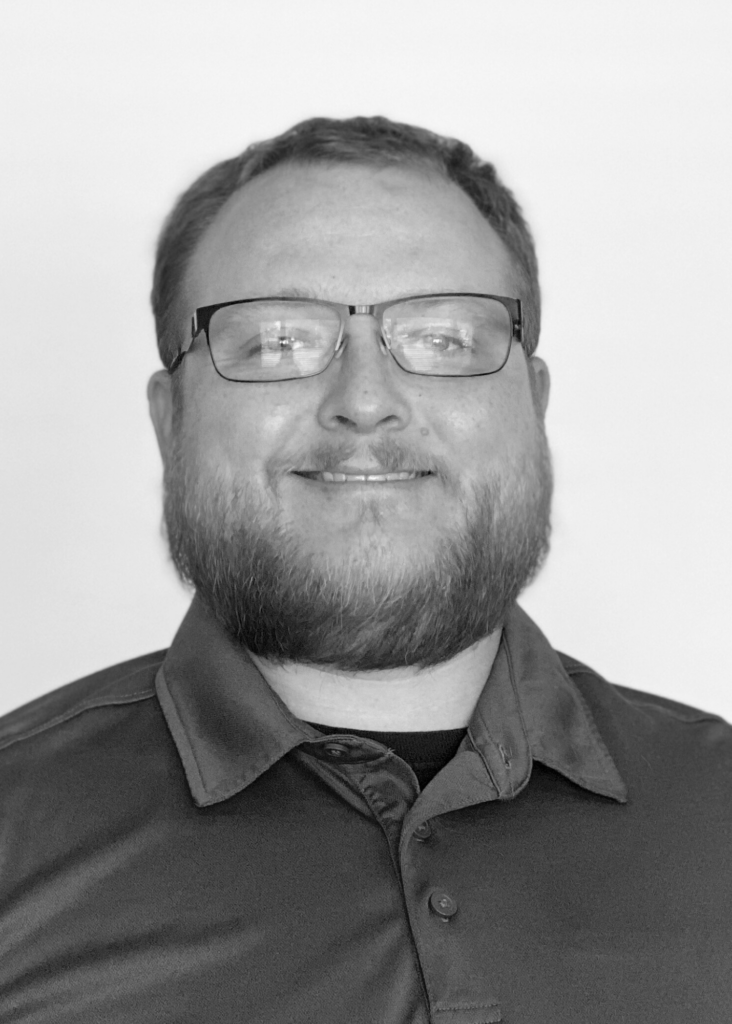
<point>201,321</point>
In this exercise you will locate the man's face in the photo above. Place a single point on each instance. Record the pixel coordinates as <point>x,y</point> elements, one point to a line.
<point>238,506</point>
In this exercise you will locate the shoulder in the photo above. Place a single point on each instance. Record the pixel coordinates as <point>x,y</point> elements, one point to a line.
<point>594,686</point>
<point>682,746</point>
<point>117,686</point>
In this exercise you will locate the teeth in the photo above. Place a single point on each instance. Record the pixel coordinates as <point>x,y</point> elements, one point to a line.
<point>346,478</point>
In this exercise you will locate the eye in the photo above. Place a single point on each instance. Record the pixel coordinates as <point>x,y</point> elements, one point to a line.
<point>444,342</point>
<point>284,338</point>
<point>280,343</point>
<point>440,339</point>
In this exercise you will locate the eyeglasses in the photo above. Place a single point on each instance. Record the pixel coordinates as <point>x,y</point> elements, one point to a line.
<point>441,335</point>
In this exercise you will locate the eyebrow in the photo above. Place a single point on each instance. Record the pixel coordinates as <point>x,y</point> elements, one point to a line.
<point>298,293</point>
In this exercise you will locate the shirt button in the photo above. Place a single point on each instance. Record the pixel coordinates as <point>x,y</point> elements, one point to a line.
<point>443,905</point>
<point>336,750</point>
<point>423,831</point>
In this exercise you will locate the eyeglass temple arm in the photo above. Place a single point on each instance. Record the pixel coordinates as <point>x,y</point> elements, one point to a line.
<point>195,331</point>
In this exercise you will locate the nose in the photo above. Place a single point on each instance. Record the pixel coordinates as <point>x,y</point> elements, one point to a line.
<point>363,389</point>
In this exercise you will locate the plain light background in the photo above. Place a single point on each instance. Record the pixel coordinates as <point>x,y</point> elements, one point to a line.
<point>611,122</point>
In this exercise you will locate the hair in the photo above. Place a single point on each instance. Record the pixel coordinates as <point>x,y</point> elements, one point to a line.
<point>375,141</point>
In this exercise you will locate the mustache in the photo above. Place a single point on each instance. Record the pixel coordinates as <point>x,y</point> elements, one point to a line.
<point>390,454</point>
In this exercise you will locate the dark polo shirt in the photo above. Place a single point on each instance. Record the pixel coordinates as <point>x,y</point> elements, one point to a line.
<point>176,846</point>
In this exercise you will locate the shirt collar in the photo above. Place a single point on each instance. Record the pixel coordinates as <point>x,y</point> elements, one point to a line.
<point>531,710</point>
<point>229,726</point>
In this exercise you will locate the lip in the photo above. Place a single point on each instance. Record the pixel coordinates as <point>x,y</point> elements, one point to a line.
<point>354,475</point>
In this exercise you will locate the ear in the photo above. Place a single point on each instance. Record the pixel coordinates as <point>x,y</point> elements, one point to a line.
<point>539,380</point>
<point>160,399</point>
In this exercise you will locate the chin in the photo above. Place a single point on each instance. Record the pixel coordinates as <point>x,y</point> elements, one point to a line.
<point>369,544</point>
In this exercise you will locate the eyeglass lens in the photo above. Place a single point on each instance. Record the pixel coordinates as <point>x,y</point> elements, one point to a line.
<point>451,336</point>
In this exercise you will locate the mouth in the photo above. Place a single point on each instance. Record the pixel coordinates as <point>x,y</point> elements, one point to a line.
<point>364,478</point>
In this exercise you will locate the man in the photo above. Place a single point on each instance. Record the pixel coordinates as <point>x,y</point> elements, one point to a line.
<point>360,787</point>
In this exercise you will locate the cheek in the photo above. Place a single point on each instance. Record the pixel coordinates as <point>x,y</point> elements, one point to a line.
<point>234,430</point>
<point>489,427</point>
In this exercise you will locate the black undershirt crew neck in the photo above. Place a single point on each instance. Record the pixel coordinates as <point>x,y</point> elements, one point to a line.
<point>426,753</point>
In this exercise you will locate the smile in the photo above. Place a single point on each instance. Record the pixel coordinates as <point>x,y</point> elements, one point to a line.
<point>361,478</point>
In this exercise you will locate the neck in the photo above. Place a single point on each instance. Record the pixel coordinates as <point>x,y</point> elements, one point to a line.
<point>407,699</point>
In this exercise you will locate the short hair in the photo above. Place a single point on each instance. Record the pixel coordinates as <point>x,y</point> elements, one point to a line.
<point>375,141</point>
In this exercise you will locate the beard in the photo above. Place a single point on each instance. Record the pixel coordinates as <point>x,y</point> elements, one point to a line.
<point>372,609</point>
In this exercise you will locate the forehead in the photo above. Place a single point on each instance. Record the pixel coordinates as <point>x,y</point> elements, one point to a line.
<point>348,233</point>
